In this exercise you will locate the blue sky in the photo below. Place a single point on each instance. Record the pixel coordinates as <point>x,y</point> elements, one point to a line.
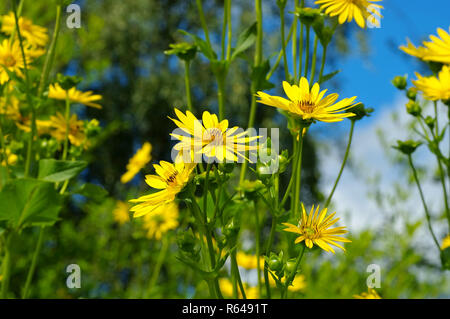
<point>369,78</point>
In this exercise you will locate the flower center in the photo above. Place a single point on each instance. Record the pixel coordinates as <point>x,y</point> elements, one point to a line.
<point>214,135</point>
<point>306,106</point>
<point>171,179</point>
<point>309,232</point>
<point>9,60</point>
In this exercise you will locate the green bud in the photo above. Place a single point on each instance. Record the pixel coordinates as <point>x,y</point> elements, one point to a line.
<point>407,147</point>
<point>92,128</point>
<point>360,111</point>
<point>413,108</point>
<point>400,82</point>
<point>281,4</point>
<point>67,82</point>
<point>275,264</point>
<point>430,122</point>
<point>411,93</point>
<point>307,15</point>
<point>185,51</point>
<point>231,230</point>
<point>290,266</point>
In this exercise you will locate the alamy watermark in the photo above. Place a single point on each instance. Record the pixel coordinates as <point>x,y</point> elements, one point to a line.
<point>74,278</point>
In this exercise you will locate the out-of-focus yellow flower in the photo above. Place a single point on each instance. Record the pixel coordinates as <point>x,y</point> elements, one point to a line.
<point>87,98</point>
<point>121,213</point>
<point>34,35</point>
<point>445,242</point>
<point>161,220</point>
<point>137,162</point>
<point>248,261</point>
<point>309,104</point>
<point>11,158</point>
<point>226,287</point>
<point>298,284</point>
<point>314,228</point>
<point>370,294</point>
<point>58,129</point>
<point>11,58</point>
<point>9,107</point>
<point>170,179</point>
<point>435,88</point>
<point>347,10</point>
<point>436,50</point>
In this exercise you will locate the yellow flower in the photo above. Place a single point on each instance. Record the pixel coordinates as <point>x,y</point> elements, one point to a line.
<point>314,228</point>
<point>298,284</point>
<point>11,58</point>
<point>137,162</point>
<point>309,104</point>
<point>370,294</point>
<point>445,242</point>
<point>210,137</point>
<point>435,88</point>
<point>11,158</point>
<point>121,213</point>
<point>437,49</point>
<point>347,10</point>
<point>34,35</point>
<point>248,261</point>
<point>161,220</point>
<point>226,287</point>
<point>171,179</point>
<point>75,96</point>
<point>58,128</point>
<point>9,107</point>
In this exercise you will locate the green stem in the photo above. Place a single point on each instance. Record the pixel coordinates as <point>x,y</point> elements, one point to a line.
<point>221,95</point>
<point>314,59</point>
<point>6,268</point>
<point>283,44</point>
<point>67,118</point>
<point>257,62</point>
<point>159,262</point>
<point>230,30</point>
<point>280,55</point>
<point>50,57</point>
<point>237,281</point>
<point>294,273</point>
<point>298,174</point>
<point>3,145</point>
<point>203,21</point>
<point>32,269</point>
<point>294,41</point>
<point>258,246</point>
<point>308,29</point>
<point>224,29</point>
<point>427,213</point>
<point>268,249</point>
<point>188,86</point>
<point>322,67</point>
<point>344,161</point>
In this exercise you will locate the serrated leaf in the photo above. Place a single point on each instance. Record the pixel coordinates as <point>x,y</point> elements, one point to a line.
<point>52,170</point>
<point>24,202</point>
<point>329,76</point>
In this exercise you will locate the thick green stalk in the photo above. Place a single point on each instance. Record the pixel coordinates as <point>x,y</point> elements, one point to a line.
<point>322,67</point>
<point>314,59</point>
<point>6,268</point>
<point>203,21</point>
<point>344,161</point>
<point>280,55</point>
<point>221,95</point>
<point>258,246</point>
<point>236,276</point>
<point>32,269</point>
<point>230,29</point>
<point>427,213</point>
<point>298,173</point>
<point>188,86</point>
<point>224,30</point>
<point>268,249</point>
<point>3,145</point>
<point>294,42</point>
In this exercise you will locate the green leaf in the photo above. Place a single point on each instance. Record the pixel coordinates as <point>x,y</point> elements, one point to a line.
<point>445,258</point>
<point>52,170</point>
<point>202,45</point>
<point>245,40</point>
<point>259,76</point>
<point>92,191</point>
<point>329,76</point>
<point>25,202</point>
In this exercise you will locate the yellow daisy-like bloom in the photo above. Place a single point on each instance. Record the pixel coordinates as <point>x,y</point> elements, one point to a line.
<point>121,213</point>
<point>210,137</point>
<point>435,88</point>
<point>9,107</point>
<point>309,104</point>
<point>445,242</point>
<point>226,287</point>
<point>314,228</point>
<point>248,261</point>
<point>11,58</point>
<point>347,10</point>
<point>170,179</point>
<point>370,294</point>
<point>137,162</point>
<point>161,220</point>
<point>87,98</point>
<point>436,50</point>
<point>58,128</point>
<point>34,35</point>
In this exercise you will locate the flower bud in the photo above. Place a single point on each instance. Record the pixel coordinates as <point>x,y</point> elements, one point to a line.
<point>413,108</point>
<point>430,122</point>
<point>360,111</point>
<point>407,147</point>
<point>185,51</point>
<point>290,266</point>
<point>67,82</point>
<point>411,93</point>
<point>307,15</point>
<point>399,82</point>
